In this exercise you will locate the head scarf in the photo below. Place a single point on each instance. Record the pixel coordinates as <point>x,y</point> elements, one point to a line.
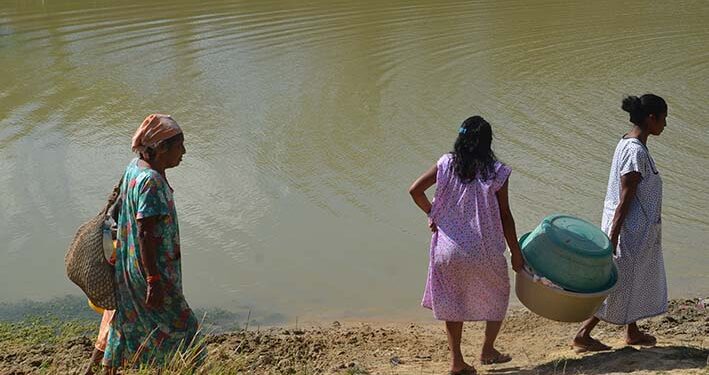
<point>154,129</point>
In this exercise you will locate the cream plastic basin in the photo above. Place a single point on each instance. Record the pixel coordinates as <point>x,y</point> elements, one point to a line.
<point>557,304</point>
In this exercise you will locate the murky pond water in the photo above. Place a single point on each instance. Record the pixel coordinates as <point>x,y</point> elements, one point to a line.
<point>306,122</point>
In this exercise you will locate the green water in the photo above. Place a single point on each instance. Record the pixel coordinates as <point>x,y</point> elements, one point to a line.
<point>306,121</point>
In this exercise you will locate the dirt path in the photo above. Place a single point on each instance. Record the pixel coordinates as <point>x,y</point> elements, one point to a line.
<point>539,346</point>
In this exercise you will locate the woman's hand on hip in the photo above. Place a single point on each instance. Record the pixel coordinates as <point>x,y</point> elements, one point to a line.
<point>432,225</point>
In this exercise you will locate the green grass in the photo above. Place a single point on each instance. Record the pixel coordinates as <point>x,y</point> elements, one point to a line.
<point>56,336</point>
<point>36,330</point>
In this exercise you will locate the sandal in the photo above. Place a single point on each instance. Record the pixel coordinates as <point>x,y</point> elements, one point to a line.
<point>594,346</point>
<point>500,358</point>
<point>645,340</point>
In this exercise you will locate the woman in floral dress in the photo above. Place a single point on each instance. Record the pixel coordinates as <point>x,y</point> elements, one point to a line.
<point>153,319</point>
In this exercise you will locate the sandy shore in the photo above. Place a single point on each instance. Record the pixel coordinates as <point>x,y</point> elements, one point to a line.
<point>538,346</point>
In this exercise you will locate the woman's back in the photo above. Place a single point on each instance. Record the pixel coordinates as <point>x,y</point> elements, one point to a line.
<point>471,220</point>
<point>467,213</point>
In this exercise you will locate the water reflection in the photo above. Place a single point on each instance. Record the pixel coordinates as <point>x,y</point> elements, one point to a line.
<point>306,121</point>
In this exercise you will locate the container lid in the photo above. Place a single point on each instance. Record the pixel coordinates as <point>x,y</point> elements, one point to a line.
<point>577,236</point>
<point>613,279</point>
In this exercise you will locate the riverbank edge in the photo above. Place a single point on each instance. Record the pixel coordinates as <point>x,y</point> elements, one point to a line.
<point>538,346</point>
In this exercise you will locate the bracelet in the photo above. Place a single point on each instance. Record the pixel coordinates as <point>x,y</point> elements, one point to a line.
<point>152,279</point>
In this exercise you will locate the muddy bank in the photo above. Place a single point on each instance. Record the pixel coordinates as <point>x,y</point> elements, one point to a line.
<point>539,346</point>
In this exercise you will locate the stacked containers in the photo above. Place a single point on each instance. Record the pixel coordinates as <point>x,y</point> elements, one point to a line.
<point>573,254</point>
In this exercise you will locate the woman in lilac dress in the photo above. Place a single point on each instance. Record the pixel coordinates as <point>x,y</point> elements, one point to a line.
<point>471,219</point>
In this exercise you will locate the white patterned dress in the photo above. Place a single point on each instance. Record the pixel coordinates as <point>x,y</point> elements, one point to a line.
<point>641,291</point>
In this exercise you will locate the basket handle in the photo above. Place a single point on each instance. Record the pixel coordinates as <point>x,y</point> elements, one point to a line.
<point>113,196</point>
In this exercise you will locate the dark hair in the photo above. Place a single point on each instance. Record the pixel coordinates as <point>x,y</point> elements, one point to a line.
<point>472,153</point>
<point>149,152</point>
<point>641,107</point>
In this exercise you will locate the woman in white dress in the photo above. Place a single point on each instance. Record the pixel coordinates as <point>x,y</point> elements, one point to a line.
<point>632,220</point>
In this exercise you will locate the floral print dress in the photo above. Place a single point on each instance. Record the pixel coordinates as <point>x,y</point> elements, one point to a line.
<point>140,334</point>
<point>467,272</point>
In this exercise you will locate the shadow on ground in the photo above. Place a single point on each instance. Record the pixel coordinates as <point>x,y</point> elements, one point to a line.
<point>627,359</point>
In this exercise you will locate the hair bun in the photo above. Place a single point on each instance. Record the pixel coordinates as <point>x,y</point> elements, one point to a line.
<point>631,104</point>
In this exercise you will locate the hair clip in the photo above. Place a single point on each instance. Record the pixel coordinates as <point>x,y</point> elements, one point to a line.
<point>462,130</point>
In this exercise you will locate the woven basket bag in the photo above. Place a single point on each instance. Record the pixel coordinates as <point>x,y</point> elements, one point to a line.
<point>86,264</point>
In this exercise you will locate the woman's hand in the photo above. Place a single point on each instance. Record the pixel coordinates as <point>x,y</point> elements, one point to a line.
<point>432,225</point>
<point>517,261</point>
<point>155,296</point>
<point>628,186</point>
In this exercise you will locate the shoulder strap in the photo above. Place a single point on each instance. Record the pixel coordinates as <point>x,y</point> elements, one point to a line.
<point>113,196</point>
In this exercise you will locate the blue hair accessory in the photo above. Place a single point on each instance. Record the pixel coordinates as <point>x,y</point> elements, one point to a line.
<point>462,130</point>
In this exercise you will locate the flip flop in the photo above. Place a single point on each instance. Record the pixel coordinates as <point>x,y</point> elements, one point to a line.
<point>465,371</point>
<point>595,346</point>
<point>645,340</point>
<point>500,358</point>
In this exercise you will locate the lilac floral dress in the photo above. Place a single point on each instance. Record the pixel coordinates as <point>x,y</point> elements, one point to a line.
<point>467,273</point>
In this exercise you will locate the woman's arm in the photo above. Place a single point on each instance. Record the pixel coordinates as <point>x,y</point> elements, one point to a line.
<point>628,186</point>
<point>418,192</point>
<point>508,227</point>
<point>149,242</point>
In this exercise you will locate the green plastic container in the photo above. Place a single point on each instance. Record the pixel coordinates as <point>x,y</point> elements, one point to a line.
<point>572,253</point>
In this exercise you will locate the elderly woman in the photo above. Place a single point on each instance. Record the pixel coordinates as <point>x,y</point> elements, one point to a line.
<point>632,220</point>
<point>153,319</point>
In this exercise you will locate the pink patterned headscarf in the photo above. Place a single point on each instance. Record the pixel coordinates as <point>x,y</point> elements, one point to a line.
<point>154,129</point>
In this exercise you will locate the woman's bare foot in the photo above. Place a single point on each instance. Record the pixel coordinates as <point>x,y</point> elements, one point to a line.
<point>492,356</point>
<point>588,344</point>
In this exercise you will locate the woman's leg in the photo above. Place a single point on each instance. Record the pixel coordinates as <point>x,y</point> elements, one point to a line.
<point>95,364</point>
<point>455,333</point>
<point>584,342</point>
<point>101,341</point>
<point>634,336</point>
<point>489,354</point>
